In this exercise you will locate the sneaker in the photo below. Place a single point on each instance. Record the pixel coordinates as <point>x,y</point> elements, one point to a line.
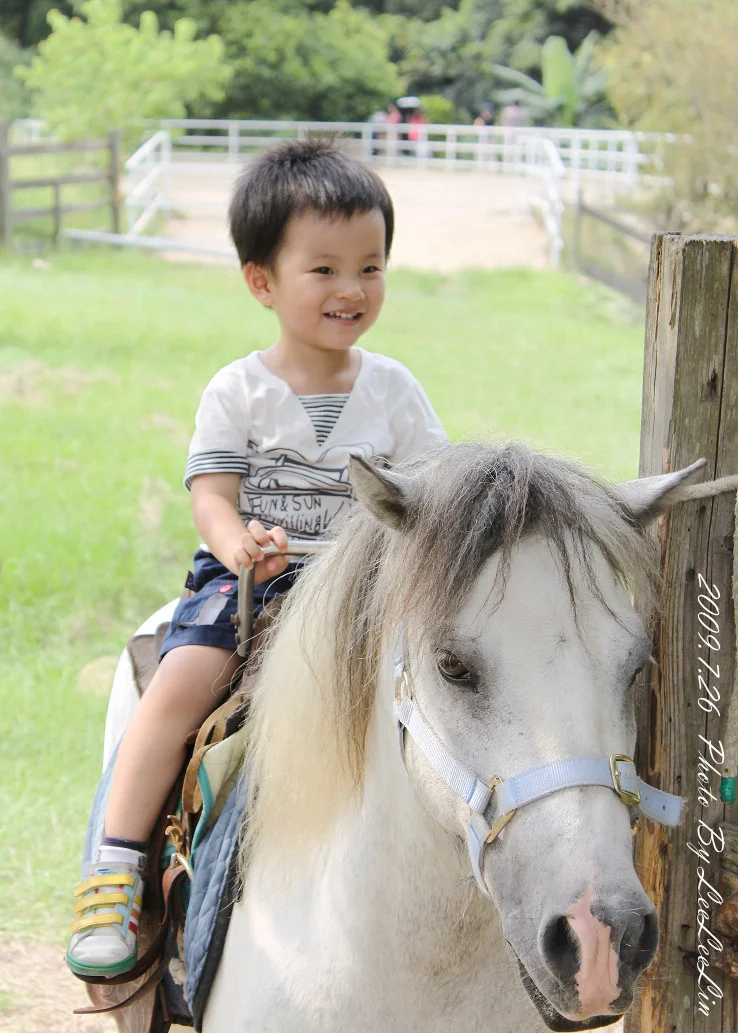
<point>105,936</point>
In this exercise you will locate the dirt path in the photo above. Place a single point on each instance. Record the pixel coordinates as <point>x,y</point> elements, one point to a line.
<point>444,220</point>
<point>38,994</point>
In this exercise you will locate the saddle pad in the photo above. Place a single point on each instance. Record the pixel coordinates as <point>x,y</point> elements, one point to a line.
<point>212,896</point>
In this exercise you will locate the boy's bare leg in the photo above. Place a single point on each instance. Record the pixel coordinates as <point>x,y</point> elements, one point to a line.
<point>189,683</point>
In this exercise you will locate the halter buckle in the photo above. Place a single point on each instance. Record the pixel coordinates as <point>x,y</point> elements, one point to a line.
<point>502,821</point>
<point>403,686</point>
<point>499,826</point>
<point>626,797</point>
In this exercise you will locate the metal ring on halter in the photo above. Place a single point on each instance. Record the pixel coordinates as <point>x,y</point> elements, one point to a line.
<point>501,821</point>
<point>244,619</point>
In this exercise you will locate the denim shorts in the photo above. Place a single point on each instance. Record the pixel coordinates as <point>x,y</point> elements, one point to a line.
<point>205,618</point>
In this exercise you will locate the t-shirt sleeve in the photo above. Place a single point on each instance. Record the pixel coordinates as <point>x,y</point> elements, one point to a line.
<point>417,427</point>
<point>220,441</point>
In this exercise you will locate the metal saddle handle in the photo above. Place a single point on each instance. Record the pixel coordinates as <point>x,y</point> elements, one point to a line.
<point>244,619</point>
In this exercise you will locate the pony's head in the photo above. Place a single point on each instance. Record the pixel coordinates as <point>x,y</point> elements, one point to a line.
<point>510,574</point>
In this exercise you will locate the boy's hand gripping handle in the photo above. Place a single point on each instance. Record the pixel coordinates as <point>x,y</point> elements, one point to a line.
<point>244,619</point>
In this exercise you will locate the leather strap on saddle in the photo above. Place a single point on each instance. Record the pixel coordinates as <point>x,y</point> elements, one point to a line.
<point>221,722</point>
<point>212,730</point>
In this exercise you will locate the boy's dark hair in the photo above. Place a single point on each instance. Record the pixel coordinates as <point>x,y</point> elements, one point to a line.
<point>296,177</point>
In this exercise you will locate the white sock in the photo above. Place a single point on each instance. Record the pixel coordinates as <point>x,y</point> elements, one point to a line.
<point>121,855</point>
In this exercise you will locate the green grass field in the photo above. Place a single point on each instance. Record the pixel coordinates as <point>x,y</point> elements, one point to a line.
<point>102,360</point>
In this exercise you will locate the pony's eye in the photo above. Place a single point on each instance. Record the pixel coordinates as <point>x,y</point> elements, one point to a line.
<point>451,668</point>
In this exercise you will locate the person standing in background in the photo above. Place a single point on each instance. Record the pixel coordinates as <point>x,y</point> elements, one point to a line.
<point>486,116</point>
<point>514,115</point>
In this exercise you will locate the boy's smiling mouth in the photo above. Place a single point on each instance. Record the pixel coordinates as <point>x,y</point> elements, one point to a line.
<point>344,317</point>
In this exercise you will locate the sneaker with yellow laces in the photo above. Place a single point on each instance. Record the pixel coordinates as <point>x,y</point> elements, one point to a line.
<point>105,935</point>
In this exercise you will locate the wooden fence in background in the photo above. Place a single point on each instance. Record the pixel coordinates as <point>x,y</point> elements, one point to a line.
<point>634,286</point>
<point>11,216</point>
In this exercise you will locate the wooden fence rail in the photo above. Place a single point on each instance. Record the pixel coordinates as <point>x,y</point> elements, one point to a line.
<point>110,175</point>
<point>634,286</point>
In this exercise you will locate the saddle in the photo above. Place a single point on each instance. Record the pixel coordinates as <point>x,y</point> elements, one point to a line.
<point>184,920</point>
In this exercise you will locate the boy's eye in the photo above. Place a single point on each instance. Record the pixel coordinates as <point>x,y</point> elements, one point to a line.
<point>324,270</point>
<point>372,269</point>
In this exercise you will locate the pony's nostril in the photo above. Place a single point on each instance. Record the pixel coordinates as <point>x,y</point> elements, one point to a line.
<point>560,947</point>
<point>640,942</point>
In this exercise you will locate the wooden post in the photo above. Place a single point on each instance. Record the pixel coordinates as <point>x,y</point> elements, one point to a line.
<point>57,212</point>
<point>5,223</point>
<point>114,141</point>
<point>576,247</point>
<point>690,409</point>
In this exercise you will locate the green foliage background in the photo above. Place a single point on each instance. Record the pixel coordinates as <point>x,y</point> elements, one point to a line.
<point>313,59</point>
<point>672,68</point>
<point>571,91</point>
<point>301,64</point>
<point>96,73</point>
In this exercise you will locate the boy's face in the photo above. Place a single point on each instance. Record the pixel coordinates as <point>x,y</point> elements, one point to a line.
<point>327,284</point>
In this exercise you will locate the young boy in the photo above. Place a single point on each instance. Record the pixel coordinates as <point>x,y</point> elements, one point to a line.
<point>269,457</point>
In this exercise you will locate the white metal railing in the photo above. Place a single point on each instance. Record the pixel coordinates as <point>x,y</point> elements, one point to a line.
<point>613,154</point>
<point>149,171</point>
<point>487,149</point>
<point>550,169</point>
<point>28,130</point>
<point>551,156</point>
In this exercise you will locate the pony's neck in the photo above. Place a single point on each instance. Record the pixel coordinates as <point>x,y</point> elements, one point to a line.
<point>382,926</point>
<point>407,871</point>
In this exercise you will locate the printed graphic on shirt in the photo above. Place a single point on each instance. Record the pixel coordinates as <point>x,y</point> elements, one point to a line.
<point>283,488</point>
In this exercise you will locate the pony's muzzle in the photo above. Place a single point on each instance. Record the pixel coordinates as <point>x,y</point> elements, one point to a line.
<point>599,952</point>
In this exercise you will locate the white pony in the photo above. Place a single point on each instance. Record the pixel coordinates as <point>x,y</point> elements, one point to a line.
<point>466,648</point>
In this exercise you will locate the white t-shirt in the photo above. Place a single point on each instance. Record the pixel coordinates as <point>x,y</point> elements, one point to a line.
<point>250,422</point>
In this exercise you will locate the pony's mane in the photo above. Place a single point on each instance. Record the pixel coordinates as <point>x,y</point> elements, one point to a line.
<point>315,692</point>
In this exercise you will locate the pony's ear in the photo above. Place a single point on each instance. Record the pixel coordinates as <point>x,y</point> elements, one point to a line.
<point>650,497</point>
<point>390,496</point>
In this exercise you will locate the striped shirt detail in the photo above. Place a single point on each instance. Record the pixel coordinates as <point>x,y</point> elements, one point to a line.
<point>323,411</point>
<point>215,462</point>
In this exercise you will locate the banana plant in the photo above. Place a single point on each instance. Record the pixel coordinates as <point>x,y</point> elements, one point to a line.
<point>571,91</point>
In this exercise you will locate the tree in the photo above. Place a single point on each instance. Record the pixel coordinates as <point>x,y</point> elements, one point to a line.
<point>306,65</point>
<point>168,12</point>
<point>452,55</point>
<point>96,75</point>
<point>425,10</point>
<point>14,99</point>
<point>571,93</point>
<point>657,83</point>
<point>455,54</point>
<point>307,58</point>
<point>439,110</point>
<point>525,25</point>
<point>25,21</point>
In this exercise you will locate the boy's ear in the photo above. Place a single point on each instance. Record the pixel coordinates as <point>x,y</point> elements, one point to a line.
<point>258,282</point>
